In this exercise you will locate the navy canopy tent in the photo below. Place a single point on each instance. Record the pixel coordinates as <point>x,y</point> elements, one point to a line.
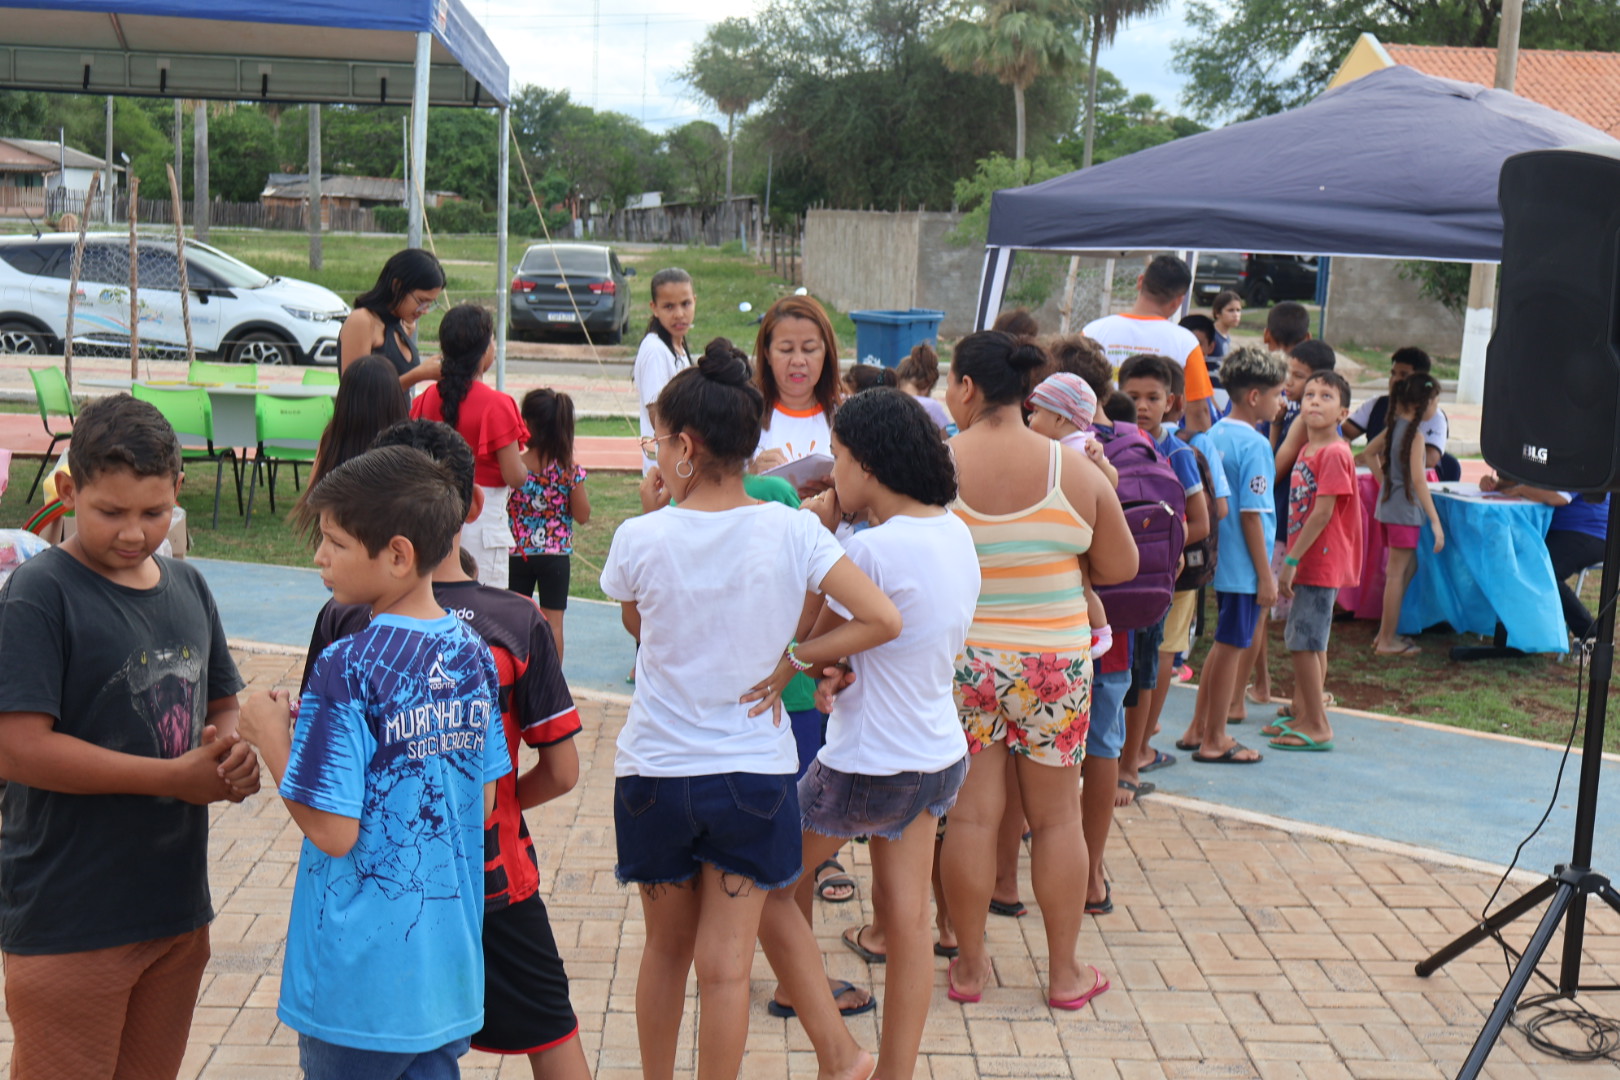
<point>347,52</point>
<point>1397,164</point>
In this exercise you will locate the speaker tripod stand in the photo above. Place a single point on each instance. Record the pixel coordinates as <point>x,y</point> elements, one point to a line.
<point>1572,883</point>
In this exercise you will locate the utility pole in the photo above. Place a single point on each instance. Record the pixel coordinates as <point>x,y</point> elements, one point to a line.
<point>315,255</point>
<point>107,193</point>
<point>1482,278</point>
<point>199,164</point>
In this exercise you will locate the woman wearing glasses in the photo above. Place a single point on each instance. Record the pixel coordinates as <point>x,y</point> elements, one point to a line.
<point>384,318</point>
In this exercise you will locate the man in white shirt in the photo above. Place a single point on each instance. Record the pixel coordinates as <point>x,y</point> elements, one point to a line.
<point>1147,328</point>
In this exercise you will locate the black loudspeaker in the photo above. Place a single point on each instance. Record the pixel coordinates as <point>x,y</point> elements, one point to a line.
<point>1552,381</point>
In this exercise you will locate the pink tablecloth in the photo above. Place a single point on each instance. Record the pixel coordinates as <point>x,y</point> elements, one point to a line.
<point>1366,601</point>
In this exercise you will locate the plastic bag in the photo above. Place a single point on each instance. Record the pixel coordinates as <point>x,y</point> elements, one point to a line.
<point>17,546</point>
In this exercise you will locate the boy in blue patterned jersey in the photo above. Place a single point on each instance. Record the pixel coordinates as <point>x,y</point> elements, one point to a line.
<point>390,774</point>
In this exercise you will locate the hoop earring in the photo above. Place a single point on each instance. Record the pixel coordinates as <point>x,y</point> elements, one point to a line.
<point>687,475</point>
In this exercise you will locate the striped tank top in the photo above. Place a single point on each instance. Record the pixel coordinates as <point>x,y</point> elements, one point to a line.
<point>1031,598</point>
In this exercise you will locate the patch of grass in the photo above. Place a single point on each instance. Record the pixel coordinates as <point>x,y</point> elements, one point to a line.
<point>614,498</point>
<point>620,426</point>
<point>723,277</point>
<point>1532,697</point>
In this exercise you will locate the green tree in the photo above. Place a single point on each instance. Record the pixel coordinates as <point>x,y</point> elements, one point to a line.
<point>1107,17</point>
<point>700,158</point>
<point>728,69</point>
<point>1251,58</point>
<point>1126,123</point>
<point>1017,42</point>
<point>1032,280</point>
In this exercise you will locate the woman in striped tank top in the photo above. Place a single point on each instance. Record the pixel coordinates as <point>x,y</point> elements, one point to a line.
<point>1041,516</point>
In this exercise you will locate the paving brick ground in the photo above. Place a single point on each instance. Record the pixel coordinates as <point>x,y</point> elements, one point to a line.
<point>1237,950</point>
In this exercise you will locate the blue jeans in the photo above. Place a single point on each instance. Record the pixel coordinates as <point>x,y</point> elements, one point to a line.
<point>1106,739</point>
<point>322,1060</point>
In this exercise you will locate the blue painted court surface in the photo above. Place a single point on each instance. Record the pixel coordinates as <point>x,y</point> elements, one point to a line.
<point>1434,787</point>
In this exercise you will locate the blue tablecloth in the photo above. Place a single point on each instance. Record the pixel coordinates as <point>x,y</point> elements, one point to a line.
<point>1494,568</point>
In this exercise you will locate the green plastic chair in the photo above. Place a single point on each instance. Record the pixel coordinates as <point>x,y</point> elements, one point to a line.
<point>290,430</point>
<point>222,374</point>
<point>320,377</point>
<point>191,414</point>
<point>51,388</point>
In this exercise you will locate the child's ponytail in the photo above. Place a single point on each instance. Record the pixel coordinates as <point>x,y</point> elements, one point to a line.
<point>549,415</point>
<point>1411,395</point>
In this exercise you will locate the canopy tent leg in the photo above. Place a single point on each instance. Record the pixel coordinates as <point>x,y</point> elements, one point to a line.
<point>503,288</point>
<point>992,285</point>
<point>1476,333</point>
<point>417,193</point>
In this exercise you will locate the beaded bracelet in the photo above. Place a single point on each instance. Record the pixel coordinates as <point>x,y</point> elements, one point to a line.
<point>792,657</point>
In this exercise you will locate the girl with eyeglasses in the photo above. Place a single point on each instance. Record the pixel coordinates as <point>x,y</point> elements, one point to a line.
<point>384,318</point>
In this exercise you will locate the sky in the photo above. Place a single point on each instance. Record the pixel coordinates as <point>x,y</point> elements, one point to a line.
<point>631,66</point>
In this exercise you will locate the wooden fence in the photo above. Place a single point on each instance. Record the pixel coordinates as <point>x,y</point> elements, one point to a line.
<point>685,223</point>
<point>221,214</point>
<point>783,251</point>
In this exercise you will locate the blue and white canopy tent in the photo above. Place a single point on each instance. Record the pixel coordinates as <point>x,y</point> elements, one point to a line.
<point>419,52</point>
<point>1397,164</point>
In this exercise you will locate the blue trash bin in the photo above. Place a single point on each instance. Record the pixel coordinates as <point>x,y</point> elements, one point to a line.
<point>887,337</point>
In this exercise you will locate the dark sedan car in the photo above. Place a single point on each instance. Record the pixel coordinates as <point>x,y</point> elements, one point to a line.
<point>571,287</point>
<point>1259,279</point>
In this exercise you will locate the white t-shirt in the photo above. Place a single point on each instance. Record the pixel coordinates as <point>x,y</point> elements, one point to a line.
<point>719,595</point>
<point>656,364</point>
<point>797,434</point>
<point>1123,336</point>
<point>1435,429</point>
<point>898,715</point>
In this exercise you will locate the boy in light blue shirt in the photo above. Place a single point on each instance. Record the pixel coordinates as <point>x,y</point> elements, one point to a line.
<point>390,774</point>
<point>1243,580</point>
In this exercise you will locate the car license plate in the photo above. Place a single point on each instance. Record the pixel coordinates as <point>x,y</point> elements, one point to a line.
<point>561,316</point>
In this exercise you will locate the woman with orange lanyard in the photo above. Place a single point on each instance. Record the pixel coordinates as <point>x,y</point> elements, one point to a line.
<point>384,318</point>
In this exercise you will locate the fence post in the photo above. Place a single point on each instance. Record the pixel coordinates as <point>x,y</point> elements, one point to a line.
<point>134,281</point>
<point>73,281</point>
<point>180,255</point>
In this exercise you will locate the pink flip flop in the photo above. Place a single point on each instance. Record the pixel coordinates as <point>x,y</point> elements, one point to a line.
<point>973,999</point>
<point>1099,987</point>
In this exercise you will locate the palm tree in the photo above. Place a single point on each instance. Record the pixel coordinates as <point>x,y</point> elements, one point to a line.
<point>1107,17</point>
<point>1017,41</point>
<point>728,69</point>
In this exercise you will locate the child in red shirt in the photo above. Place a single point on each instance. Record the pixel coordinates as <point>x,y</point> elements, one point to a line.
<point>1324,555</point>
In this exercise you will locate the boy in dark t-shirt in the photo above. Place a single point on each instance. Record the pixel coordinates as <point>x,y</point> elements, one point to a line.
<point>526,1003</point>
<point>118,717</point>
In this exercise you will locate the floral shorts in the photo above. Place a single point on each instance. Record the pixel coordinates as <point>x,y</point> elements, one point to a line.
<point>1039,704</point>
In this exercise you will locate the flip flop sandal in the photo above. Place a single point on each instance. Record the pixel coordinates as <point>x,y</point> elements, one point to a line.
<point>839,879</point>
<point>1229,757</point>
<point>1105,906</point>
<point>1189,747</point>
<point>950,952</point>
<point>1137,790</point>
<point>843,986</point>
<point>1099,987</point>
<point>1014,910</point>
<point>1161,760</point>
<point>852,940</point>
<point>1309,744</point>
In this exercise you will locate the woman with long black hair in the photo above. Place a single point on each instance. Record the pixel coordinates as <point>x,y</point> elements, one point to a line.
<point>384,317</point>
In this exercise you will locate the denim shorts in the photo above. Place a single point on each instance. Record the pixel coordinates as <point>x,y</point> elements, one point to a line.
<point>322,1060</point>
<point>1107,736</point>
<point>1310,620</point>
<point>740,823</point>
<point>847,805</point>
<point>1145,660</point>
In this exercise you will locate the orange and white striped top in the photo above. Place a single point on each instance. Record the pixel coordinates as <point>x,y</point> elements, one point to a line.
<point>1031,597</point>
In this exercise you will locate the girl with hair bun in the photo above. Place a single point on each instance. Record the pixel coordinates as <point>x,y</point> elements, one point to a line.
<point>919,374</point>
<point>1023,681</point>
<point>488,419</point>
<point>706,811</point>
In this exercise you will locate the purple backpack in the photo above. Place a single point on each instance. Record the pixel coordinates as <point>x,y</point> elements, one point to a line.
<point>1156,512</point>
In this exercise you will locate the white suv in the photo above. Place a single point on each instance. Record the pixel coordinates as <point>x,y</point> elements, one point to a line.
<point>236,312</point>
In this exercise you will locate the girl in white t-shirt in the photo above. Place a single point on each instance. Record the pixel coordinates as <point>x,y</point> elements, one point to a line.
<point>706,810</point>
<point>797,356</point>
<point>895,754</point>
<point>664,350</point>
